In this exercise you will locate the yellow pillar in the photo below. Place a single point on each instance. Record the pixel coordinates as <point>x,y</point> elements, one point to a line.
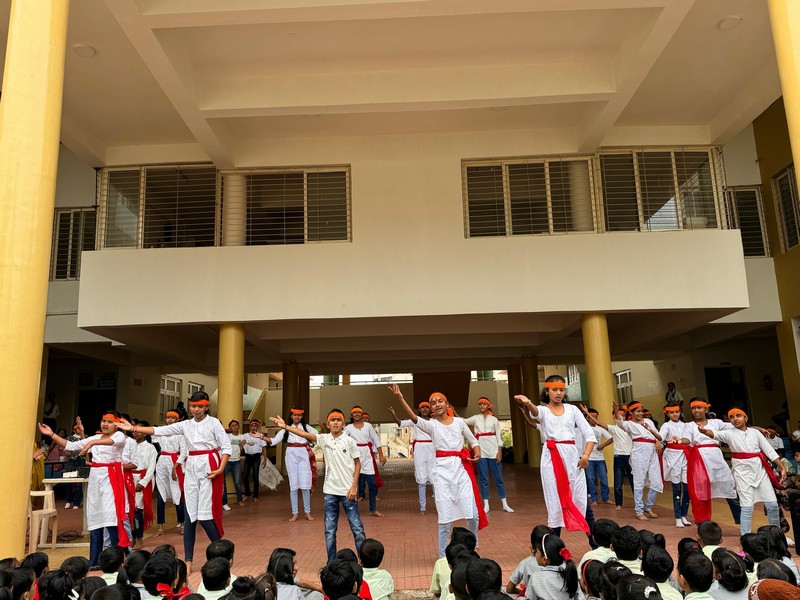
<point>600,378</point>
<point>530,387</point>
<point>231,372</point>
<point>304,392</point>
<point>291,397</point>
<point>30,121</point>
<point>518,426</point>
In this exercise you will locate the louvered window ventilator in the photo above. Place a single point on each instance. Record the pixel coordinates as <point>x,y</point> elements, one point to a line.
<point>74,230</point>
<point>787,207</point>
<point>746,213</point>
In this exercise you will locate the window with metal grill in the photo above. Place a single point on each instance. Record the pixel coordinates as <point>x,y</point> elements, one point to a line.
<point>746,213</point>
<point>73,232</point>
<point>784,191</point>
<point>527,197</point>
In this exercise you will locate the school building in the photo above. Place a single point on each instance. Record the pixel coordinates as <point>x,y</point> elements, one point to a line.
<point>195,194</point>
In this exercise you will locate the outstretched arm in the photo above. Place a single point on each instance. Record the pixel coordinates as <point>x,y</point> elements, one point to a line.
<point>528,420</point>
<point>525,401</point>
<point>395,389</point>
<point>301,432</point>
<point>394,415</point>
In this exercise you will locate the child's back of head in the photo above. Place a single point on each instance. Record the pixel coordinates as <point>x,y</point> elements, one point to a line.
<point>688,545</point>
<point>626,543</point>
<point>612,571</point>
<point>637,587</point>
<point>111,559</point>
<point>709,533</point>
<point>37,561</point>
<point>76,566</point>
<point>216,574</point>
<point>462,535</point>
<point>657,564</point>
<point>371,553</point>
<point>221,549</point>
<point>695,572</point>
<point>452,551</point>
<point>603,530</point>
<point>756,545</point>
<point>730,569</point>
<point>160,570</point>
<point>458,577</point>
<point>338,579</point>
<point>483,575</point>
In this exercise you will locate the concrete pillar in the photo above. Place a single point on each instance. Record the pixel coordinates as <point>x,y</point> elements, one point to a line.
<point>304,393</point>
<point>346,379</point>
<point>234,210</point>
<point>580,197</point>
<point>600,378</point>
<point>231,372</point>
<point>519,434</point>
<point>530,387</point>
<point>30,121</point>
<point>291,397</point>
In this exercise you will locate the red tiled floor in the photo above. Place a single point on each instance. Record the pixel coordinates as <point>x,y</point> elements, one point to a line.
<point>409,538</point>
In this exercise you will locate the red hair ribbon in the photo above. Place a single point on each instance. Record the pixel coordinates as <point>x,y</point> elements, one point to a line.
<point>672,409</point>
<point>165,591</point>
<point>565,554</point>
<point>254,422</point>
<point>356,410</point>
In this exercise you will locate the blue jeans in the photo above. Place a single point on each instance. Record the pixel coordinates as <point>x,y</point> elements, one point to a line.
<point>369,481</point>
<point>622,470</point>
<point>484,466</point>
<point>680,499</point>
<point>233,467</point>
<point>641,504</point>
<point>332,522</point>
<point>773,516</point>
<point>597,471</point>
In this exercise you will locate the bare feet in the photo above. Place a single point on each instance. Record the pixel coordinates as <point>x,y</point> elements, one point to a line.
<point>651,514</point>
<point>422,513</point>
<point>294,518</point>
<point>309,517</point>
<point>594,503</point>
<point>642,518</point>
<point>189,567</point>
<point>376,514</point>
<point>159,532</point>
<point>255,500</point>
<point>617,507</point>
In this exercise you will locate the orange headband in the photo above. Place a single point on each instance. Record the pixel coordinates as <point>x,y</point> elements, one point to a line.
<point>336,413</point>
<point>297,411</point>
<point>437,395</point>
<point>364,414</point>
<point>110,417</point>
<point>737,411</point>
<point>672,409</point>
<point>424,403</point>
<point>633,406</point>
<point>202,402</point>
<point>172,413</point>
<point>356,410</point>
<point>486,401</point>
<point>701,403</point>
<point>556,385</point>
<point>254,422</point>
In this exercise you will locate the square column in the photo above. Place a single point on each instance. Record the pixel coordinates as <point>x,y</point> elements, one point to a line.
<point>530,387</point>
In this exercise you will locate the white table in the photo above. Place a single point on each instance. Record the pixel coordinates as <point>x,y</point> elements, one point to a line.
<point>49,484</point>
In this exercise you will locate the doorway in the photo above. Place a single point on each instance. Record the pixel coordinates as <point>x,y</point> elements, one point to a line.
<point>726,389</point>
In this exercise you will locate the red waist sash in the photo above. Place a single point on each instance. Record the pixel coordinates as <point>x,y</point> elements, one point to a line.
<point>644,440</point>
<point>147,499</point>
<point>573,519</point>
<point>130,490</point>
<point>697,474</point>
<point>480,435</point>
<point>681,447</point>
<point>118,487</point>
<point>378,479</point>
<point>464,455</point>
<point>296,445</point>
<point>764,462</point>
<point>415,442</point>
<point>179,470</point>
<point>216,486</point>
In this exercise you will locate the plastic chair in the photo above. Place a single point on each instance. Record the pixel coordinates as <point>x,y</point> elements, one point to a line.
<point>36,517</point>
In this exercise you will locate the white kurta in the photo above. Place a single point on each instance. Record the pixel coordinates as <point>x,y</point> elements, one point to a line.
<point>208,434</point>
<point>562,428</point>
<point>362,437</point>
<point>718,470</point>
<point>644,457</point>
<point>100,508</point>
<point>490,444</point>
<point>452,486</point>
<point>674,461</point>
<point>146,457</point>
<point>297,464</point>
<point>752,482</point>
<point>170,489</point>
<point>424,453</point>
<point>129,453</point>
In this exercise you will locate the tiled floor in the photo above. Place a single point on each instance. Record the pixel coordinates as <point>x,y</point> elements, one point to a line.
<point>409,538</point>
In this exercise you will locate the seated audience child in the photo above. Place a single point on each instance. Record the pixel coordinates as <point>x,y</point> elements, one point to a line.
<point>612,573</point>
<point>281,567</point>
<point>22,584</point>
<point>591,579</point>
<point>458,578</point>
<point>778,547</point>
<point>637,587</point>
<point>338,580</point>
<point>118,591</point>
<point>160,575</point>
<point>362,586</point>
<point>602,531</point>
<point>558,577</point>
<point>381,583</point>
<point>657,565</point>
<point>247,588</point>
<point>518,581</point>
<point>442,567</point>
<point>775,569</point>
<point>8,563</point>
<point>651,539</point>
<point>695,575</point>
<point>756,546</point>
<point>483,575</point>
<point>131,571</point>
<point>39,563</point>
<point>110,561</point>
<point>219,549</point>
<point>730,576</point>
<point>709,534</point>
<point>216,578</point>
<point>76,566</point>
<point>57,585</point>
<point>627,545</point>
<point>688,545</point>
<point>88,586</point>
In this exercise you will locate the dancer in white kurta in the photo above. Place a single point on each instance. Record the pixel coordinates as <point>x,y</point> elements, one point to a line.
<point>422,451</point>
<point>675,435</point>
<point>299,458</point>
<point>209,448</point>
<point>169,472</point>
<point>146,457</point>
<point>454,483</point>
<point>562,463</point>
<point>487,431</point>
<point>368,443</point>
<point>749,453</point>
<point>105,499</point>
<point>644,460</point>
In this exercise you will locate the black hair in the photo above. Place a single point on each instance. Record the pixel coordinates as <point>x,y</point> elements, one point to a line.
<point>38,561</point>
<point>612,572</point>
<point>371,553</point>
<point>603,530</point>
<point>247,588</point>
<point>281,565</point>
<point>220,549</point>
<point>657,564</point>
<point>592,576</point>
<point>231,422</point>
<point>165,548</point>
<point>697,570</point>
<point>544,398</point>
<point>462,535</point>
<point>452,551</point>
<point>183,575</point>
<point>537,533</point>
<point>756,545</point>
<point>552,548</point>
<point>118,591</point>
<point>57,586</point>
<point>6,583</point>
<point>302,424</point>
<point>483,575</point>
<point>637,587</point>
<point>131,571</point>
<point>77,566</point>
<point>458,576</point>
<point>8,563</point>
<point>41,584</point>
<point>198,395</point>
<point>710,533</point>
<point>492,595</point>
<point>688,545</point>
<point>195,596</point>
<point>348,555</point>
<point>778,548</point>
<point>337,578</point>
<point>626,543</point>
<point>161,568</point>
<point>651,539</point>
<point>23,579</point>
<point>216,574</point>
<point>775,569</point>
<point>111,559</point>
<point>594,411</point>
<point>88,586</point>
<point>730,570</point>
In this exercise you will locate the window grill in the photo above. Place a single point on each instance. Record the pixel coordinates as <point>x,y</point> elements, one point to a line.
<point>74,230</point>
<point>784,193</point>
<point>746,213</point>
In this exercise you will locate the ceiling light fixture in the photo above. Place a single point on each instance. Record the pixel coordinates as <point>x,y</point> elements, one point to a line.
<point>730,22</point>
<point>84,50</point>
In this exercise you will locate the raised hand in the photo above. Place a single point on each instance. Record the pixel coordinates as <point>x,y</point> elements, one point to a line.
<point>45,430</point>
<point>522,399</point>
<point>395,389</point>
<point>124,425</point>
<point>278,420</point>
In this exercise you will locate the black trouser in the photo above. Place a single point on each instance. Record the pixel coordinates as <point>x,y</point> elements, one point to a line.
<point>189,532</point>
<point>161,507</point>
<point>252,463</point>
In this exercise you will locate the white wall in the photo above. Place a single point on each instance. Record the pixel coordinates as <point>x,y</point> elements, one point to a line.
<point>741,160</point>
<point>76,181</point>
